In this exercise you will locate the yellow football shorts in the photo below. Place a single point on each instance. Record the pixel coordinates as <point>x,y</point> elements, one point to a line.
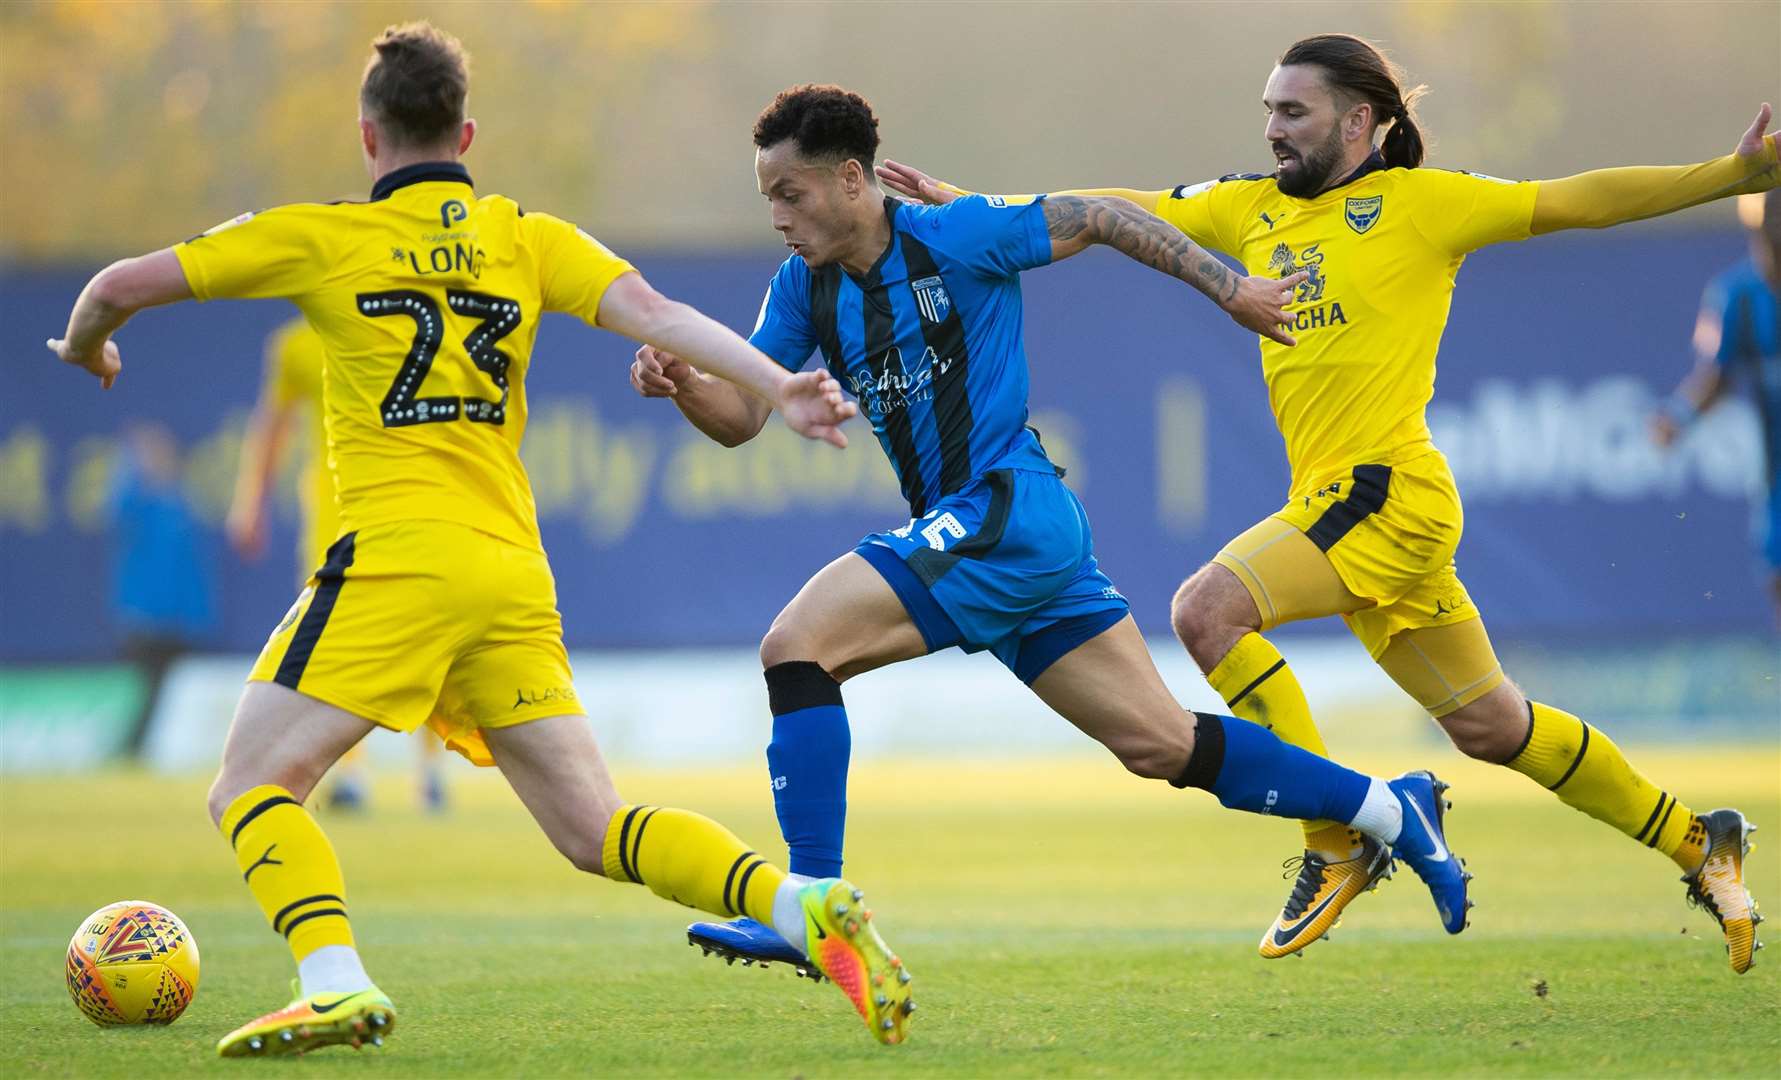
<point>427,622</point>
<point>1389,533</point>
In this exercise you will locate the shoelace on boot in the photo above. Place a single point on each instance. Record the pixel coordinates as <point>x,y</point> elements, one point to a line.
<point>1309,867</point>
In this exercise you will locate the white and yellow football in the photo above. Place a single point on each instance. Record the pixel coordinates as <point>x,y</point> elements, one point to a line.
<point>132,962</point>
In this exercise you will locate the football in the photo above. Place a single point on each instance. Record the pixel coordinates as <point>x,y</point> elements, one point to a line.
<point>132,962</point>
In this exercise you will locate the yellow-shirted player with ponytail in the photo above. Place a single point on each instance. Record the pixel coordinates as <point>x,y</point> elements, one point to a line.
<point>436,602</point>
<point>1373,516</point>
<point>291,397</point>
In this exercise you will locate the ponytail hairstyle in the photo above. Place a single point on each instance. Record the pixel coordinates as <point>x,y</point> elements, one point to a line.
<point>1357,71</point>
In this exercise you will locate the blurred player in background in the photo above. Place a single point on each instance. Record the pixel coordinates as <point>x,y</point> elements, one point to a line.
<point>291,397</point>
<point>163,590</point>
<point>1738,337</point>
<point>918,309</point>
<point>437,602</point>
<point>1373,517</point>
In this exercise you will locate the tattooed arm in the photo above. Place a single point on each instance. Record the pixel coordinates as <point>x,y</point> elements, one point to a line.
<point>1076,222</point>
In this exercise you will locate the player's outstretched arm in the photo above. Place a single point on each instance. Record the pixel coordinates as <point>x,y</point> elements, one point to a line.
<point>1704,385</point>
<point>911,183</point>
<point>1077,222</point>
<point>1604,197</point>
<point>810,401</point>
<point>1699,391</point>
<point>116,293</point>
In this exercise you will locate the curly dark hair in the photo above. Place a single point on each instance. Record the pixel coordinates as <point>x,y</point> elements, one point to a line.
<point>826,122</point>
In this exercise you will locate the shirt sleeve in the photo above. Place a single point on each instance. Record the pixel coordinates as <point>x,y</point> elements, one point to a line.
<point>991,235</point>
<point>783,329</point>
<point>574,269</point>
<point>281,252</point>
<point>1460,212</point>
<point>1201,211</point>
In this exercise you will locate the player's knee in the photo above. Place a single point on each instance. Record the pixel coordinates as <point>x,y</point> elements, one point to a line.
<point>233,782</point>
<point>1194,618</point>
<point>220,796</point>
<point>1184,618</point>
<point>1153,761</point>
<point>1491,729</point>
<point>587,856</point>
<point>784,642</point>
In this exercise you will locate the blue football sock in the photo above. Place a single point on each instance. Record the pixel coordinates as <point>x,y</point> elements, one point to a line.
<point>807,760</point>
<point>1248,768</point>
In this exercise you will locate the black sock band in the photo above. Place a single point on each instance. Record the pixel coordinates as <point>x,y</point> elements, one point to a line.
<point>1525,739</point>
<point>800,684</point>
<point>1205,763</point>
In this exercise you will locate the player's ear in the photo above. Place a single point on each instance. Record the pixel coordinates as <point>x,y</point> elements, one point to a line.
<point>368,138</point>
<point>466,137</point>
<point>853,177</point>
<point>1358,124</point>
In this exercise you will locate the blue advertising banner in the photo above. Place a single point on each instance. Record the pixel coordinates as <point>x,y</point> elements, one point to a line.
<point>1557,352</point>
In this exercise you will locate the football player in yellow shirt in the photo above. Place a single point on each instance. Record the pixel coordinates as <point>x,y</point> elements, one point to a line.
<point>436,601</point>
<point>1373,516</point>
<point>291,392</point>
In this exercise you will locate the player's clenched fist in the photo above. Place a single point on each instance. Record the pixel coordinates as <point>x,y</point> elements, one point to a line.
<point>660,374</point>
<point>106,363</point>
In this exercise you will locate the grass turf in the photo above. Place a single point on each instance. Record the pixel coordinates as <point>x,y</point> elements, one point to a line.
<point>1060,918</point>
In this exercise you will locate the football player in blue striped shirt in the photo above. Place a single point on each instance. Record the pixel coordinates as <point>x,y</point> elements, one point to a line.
<point>917,312</point>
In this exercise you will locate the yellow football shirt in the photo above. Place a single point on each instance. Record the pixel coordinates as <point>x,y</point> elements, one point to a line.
<point>426,299</point>
<point>294,356</point>
<point>1383,251</point>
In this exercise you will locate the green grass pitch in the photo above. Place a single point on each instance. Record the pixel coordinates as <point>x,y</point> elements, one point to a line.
<point>1060,917</point>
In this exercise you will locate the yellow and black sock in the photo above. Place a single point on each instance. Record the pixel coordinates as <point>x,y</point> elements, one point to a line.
<point>290,867</point>
<point>1588,772</point>
<point>1258,686</point>
<point>690,859</point>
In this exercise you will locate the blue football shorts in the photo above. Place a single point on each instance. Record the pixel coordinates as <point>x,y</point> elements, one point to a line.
<point>1007,564</point>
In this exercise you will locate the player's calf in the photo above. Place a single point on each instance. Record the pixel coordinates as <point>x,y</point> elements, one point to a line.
<point>1155,747</point>
<point>1493,728</point>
